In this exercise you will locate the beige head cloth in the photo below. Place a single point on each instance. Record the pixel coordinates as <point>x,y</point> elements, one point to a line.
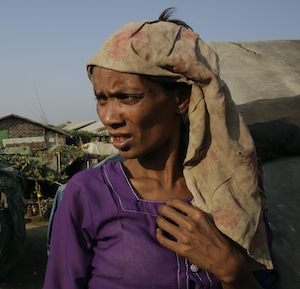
<point>221,164</point>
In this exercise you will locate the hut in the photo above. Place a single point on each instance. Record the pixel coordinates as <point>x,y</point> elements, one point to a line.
<point>18,131</point>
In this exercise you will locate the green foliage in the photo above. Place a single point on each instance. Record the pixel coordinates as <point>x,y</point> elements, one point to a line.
<point>38,219</point>
<point>98,157</point>
<point>61,126</point>
<point>82,135</point>
<point>78,135</point>
<point>33,169</point>
<point>70,152</point>
<point>67,154</point>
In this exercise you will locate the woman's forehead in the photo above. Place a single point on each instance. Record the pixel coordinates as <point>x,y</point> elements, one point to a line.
<point>116,82</point>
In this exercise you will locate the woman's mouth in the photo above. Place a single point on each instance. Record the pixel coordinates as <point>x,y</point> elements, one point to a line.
<point>121,142</point>
<point>121,138</point>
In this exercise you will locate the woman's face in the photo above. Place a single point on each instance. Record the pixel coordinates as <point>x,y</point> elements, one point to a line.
<point>140,118</point>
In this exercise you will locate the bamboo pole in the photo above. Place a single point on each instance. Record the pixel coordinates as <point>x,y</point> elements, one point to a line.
<point>58,162</point>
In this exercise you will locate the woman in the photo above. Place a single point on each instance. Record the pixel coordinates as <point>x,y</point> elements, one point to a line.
<point>184,209</point>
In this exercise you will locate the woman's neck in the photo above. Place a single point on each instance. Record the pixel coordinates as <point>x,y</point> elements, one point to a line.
<point>165,168</point>
<point>158,175</point>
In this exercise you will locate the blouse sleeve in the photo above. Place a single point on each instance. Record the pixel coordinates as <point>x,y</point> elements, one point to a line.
<point>72,242</point>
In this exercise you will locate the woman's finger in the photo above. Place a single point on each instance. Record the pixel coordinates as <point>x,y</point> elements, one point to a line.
<point>183,207</point>
<point>168,226</point>
<point>167,241</point>
<point>184,214</point>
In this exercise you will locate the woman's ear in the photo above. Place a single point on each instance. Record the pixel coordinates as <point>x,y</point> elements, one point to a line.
<point>183,100</point>
<point>182,106</point>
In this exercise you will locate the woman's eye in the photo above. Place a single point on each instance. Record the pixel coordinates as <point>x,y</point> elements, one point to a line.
<point>130,99</point>
<point>101,99</point>
<point>124,98</point>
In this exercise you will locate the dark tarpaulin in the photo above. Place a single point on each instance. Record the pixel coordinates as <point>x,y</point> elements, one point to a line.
<point>12,223</point>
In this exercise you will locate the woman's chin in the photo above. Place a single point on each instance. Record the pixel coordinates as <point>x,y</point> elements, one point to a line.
<point>127,154</point>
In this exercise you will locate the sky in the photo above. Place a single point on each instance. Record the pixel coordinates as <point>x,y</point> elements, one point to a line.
<point>44,45</point>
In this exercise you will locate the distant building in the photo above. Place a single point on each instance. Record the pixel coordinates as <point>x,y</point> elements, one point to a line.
<point>95,127</point>
<point>17,131</point>
<point>78,125</point>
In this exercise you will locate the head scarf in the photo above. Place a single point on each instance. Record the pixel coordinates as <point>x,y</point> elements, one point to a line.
<point>220,167</point>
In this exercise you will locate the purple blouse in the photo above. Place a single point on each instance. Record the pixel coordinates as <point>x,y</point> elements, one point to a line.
<point>104,236</point>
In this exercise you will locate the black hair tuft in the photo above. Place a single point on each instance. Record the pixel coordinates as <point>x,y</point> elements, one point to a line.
<point>166,16</point>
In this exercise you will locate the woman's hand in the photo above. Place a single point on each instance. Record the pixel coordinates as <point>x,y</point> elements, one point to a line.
<point>199,241</point>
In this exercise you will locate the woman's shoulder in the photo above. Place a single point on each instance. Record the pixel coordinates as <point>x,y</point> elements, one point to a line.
<point>95,176</point>
<point>90,186</point>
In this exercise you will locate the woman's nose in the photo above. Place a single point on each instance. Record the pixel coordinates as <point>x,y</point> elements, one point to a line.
<point>110,114</point>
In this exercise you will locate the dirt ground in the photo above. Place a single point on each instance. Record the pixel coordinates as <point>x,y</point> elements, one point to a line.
<point>29,272</point>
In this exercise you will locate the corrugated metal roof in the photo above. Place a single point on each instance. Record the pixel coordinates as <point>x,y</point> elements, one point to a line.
<point>96,127</point>
<point>78,125</point>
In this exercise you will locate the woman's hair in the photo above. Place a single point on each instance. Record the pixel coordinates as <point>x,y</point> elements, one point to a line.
<point>171,88</point>
<point>166,14</point>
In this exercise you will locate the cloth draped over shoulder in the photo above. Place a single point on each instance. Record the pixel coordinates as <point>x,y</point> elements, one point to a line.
<point>220,168</point>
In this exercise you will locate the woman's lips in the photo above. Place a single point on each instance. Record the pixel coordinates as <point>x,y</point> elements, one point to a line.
<point>121,142</point>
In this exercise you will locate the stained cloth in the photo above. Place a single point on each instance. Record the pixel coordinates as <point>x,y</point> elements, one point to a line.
<point>104,236</point>
<point>220,168</point>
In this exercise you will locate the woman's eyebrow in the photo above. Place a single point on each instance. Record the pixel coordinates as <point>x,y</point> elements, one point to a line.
<point>120,94</point>
<point>97,94</point>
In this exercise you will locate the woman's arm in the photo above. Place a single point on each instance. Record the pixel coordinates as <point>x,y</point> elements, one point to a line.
<point>71,248</point>
<point>199,241</point>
